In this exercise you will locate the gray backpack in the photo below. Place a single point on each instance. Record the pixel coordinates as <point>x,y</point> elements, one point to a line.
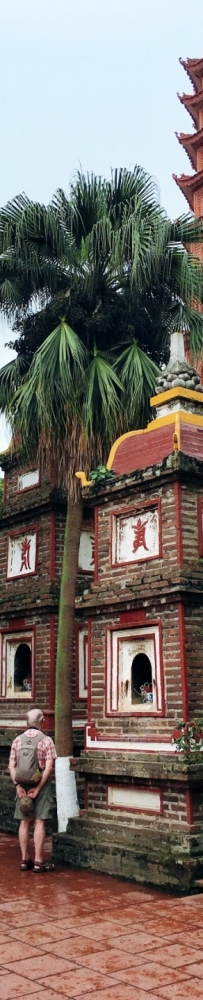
<point>27,769</point>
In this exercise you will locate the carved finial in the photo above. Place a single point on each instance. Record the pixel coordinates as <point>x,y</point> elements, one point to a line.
<point>83,480</point>
<point>178,373</point>
<point>177,351</point>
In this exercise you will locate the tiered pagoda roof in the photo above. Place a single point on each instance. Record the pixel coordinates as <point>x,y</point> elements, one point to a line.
<point>191,143</point>
<point>193,103</point>
<point>190,184</point>
<point>194,69</point>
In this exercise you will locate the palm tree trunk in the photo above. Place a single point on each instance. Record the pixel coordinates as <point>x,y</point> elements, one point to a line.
<point>66,794</point>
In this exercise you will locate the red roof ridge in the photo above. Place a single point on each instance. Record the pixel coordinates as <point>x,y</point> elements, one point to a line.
<point>190,62</point>
<point>189,183</point>
<point>192,103</point>
<point>189,178</point>
<point>191,142</point>
<point>191,136</point>
<point>191,98</point>
<point>194,69</point>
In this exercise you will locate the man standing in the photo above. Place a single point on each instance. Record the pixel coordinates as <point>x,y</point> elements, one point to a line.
<point>40,795</point>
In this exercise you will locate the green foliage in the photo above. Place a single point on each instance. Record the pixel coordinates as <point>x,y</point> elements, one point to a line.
<point>94,283</point>
<point>101,475</point>
<point>107,259</point>
<point>188,738</point>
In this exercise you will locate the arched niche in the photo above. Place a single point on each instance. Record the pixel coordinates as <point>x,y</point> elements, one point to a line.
<point>141,679</point>
<point>22,668</point>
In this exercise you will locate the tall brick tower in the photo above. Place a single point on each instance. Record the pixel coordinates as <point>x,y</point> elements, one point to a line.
<point>191,185</point>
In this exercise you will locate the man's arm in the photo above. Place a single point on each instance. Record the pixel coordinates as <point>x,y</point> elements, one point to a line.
<point>19,789</point>
<point>12,769</point>
<point>48,770</point>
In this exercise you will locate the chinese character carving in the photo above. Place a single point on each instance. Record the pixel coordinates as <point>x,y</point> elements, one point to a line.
<point>25,554</point>
<point>139,532</point>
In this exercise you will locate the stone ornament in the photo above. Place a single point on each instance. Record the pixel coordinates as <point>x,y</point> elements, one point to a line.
<point>178,374</point>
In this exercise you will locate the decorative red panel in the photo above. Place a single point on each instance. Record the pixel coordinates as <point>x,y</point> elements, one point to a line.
<point>136,533</point>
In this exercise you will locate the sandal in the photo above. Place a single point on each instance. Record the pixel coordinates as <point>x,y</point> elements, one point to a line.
<point>40,866</point>
<point>26,866</point>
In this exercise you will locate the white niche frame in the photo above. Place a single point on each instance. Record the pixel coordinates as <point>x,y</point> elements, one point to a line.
<point>10,641</point>
<point>122,645</point>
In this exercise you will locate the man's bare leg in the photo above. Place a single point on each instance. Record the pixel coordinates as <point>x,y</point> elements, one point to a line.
<point>23,835</point>
<point>39,838</point>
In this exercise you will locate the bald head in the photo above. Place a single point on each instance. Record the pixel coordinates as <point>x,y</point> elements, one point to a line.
<point>35,717</point>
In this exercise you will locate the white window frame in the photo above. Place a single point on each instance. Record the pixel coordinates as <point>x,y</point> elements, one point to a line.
<point>7,681</point>
<point>118,670</point>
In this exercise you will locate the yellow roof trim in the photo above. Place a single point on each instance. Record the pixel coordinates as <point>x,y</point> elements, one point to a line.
<point>83,480</point>
<point>7,450</point>
<point>164,397</point>
<point>169,418</point>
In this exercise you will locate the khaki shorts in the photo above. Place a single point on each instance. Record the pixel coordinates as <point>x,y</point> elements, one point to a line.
<point>43,804</point>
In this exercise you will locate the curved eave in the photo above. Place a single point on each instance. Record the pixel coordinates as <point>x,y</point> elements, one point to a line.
<point>191,143</point>
<point>4,454</point>
<point>192,103</point>
<point>9,454</point>
<point>194,70</point>
<point>189,184</point>
<point>187,194</point>
<point>186,142</point>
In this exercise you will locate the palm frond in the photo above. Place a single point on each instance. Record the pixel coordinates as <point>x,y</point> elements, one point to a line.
<point>128,188</point>
<point>190,321</point>
<point>186,230</point>
<point>49,392</point>
<point>137,373</point>
<point>11,376</point>
<point>103,390</point>
<point>183,272</point>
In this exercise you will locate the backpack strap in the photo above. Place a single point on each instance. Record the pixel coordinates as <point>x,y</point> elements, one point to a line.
<point>34,739</point>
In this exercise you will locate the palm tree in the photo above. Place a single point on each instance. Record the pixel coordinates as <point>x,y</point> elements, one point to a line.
<point>69,408</point>
<point>108,251</point>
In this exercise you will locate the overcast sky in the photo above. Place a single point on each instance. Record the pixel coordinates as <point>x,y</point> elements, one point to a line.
<point>93,83</point>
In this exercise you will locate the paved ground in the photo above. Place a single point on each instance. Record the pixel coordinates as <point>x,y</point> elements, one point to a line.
<point>75,934</point>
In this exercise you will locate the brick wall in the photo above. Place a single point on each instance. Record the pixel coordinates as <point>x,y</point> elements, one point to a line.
<point>189,523</point>
<point>138,726</point>
<point>179,535</point>
<point>157,587</point>
<point>194,659</point>
<point>32,602</point>
<point>197,810</point>
<point>173,811</point>
<point>37,587</point>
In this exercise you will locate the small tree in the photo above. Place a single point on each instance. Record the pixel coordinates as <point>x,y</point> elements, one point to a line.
<point>188,739</point>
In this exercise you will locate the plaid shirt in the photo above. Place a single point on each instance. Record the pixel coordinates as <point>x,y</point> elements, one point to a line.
<point>45,749</point>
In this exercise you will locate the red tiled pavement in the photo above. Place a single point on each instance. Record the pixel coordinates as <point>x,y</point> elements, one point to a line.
<point>92,937</point>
